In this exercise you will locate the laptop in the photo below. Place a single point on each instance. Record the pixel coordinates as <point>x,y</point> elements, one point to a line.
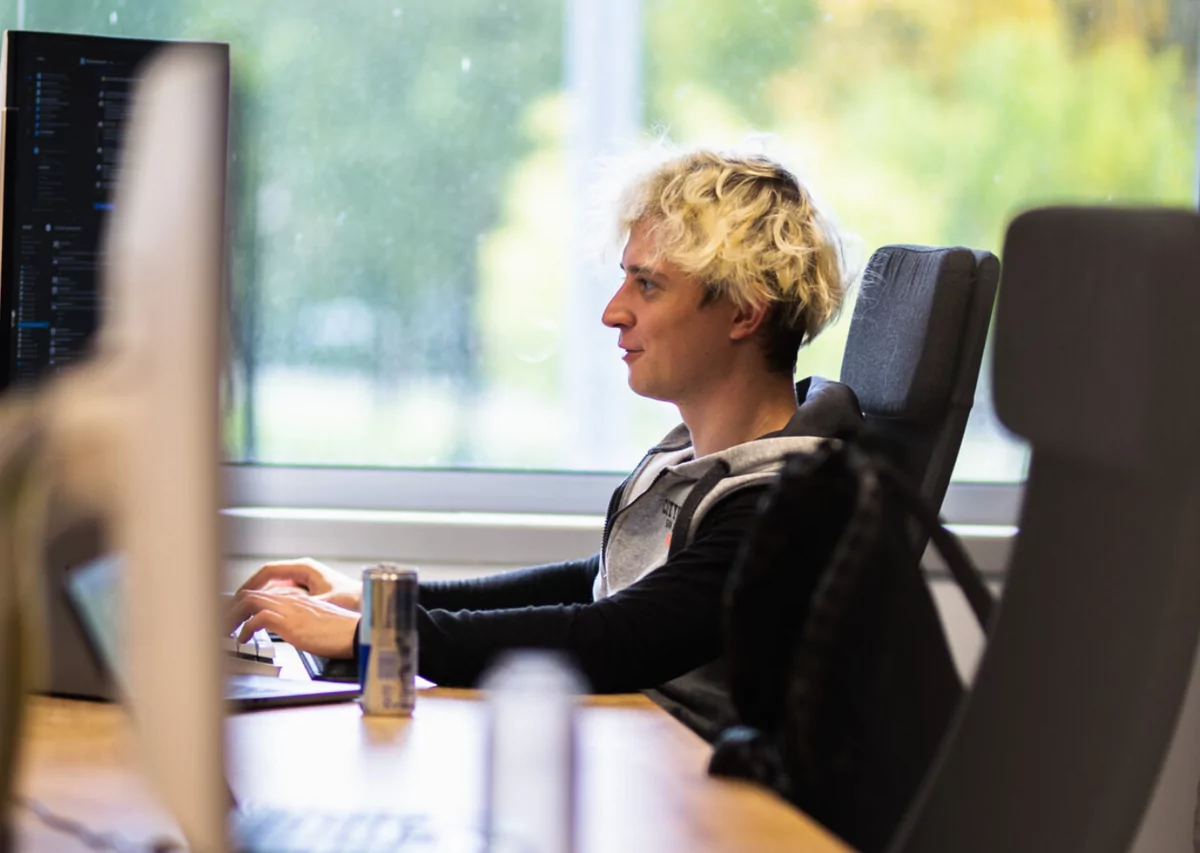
<point>93,591</point>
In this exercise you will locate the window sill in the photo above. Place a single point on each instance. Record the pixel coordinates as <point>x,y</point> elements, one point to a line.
<point>473,538</point>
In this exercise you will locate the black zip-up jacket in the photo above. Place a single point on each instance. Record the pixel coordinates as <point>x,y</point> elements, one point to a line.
<point>661,626</point>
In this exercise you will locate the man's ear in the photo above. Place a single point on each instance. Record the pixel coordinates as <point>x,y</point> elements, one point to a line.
<point>746,321</point>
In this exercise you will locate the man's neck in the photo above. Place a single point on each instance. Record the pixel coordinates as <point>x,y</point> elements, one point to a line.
<point>740,411</point>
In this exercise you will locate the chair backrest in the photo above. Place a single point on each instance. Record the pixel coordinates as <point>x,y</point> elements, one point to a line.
<point>914,350</point>
<point>1079,689</point>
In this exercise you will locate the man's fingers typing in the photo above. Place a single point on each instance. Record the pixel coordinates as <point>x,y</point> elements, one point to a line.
<point>246,603</point>
<point>298,573</point>
<point>265,619</point>
<point>307,622</point>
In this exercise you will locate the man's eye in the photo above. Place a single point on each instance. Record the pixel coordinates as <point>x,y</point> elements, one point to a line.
<point>645,285</point>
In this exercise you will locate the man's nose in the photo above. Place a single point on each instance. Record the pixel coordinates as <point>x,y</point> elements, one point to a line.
<point>617,314</point>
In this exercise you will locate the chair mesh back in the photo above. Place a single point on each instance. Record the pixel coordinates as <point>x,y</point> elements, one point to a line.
<point>913,354</point>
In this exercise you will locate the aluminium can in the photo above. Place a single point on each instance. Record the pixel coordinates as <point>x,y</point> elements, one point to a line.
<point>387,640</point>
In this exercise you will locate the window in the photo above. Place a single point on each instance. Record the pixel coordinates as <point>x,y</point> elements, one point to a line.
<point>412,281</point>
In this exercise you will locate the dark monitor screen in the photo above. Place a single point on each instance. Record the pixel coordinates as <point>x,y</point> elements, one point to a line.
<point>67,99</point>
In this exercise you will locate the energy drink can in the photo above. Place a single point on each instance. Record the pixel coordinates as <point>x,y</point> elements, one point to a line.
<point>387,640</point>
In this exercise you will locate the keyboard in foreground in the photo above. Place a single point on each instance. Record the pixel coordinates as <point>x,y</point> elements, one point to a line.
<point>271,830</point>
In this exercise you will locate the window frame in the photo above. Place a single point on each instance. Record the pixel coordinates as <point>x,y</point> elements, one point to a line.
<point>534,492</point>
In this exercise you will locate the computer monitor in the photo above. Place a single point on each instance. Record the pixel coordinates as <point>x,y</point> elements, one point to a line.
<point>66,100</point>
<point>162,338</point>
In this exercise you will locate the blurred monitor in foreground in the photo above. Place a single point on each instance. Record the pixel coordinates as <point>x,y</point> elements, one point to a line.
<point>162,343</point>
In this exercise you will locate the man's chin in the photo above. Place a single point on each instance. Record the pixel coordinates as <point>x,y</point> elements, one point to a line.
<point>647,389</point>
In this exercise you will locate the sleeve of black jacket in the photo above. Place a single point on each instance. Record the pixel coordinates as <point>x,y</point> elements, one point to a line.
<point>664,625</point>
<point>555,583</point>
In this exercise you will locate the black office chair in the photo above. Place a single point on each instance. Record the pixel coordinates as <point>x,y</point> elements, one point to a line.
<point>1076,698</point>
<point>913,354</point>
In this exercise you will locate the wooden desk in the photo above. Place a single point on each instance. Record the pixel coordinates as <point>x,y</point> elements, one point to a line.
<point>642,774</point>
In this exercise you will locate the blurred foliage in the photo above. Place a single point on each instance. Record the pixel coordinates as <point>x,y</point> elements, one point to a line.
<point>730,48</point>
<point>385,133</point>
<point>935,121</point>
<point>379,135</point>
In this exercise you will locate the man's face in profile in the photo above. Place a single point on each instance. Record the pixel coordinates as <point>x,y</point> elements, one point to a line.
<point>673,344</point>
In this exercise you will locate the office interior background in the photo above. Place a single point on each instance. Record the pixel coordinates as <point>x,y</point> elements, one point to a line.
<point>417,270</point>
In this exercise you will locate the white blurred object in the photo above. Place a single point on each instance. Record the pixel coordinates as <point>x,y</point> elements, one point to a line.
<point>531,779</point>
<point>160,352</point>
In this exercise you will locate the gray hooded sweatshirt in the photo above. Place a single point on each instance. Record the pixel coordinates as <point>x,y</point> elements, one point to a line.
<point>659,507</point>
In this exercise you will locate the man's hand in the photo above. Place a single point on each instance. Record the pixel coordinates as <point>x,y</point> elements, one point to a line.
<point>317,579</point>
<point>310,624</point>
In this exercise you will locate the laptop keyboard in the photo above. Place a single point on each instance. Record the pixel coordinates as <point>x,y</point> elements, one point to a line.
<point>258,648</point>
<point>290,831</point>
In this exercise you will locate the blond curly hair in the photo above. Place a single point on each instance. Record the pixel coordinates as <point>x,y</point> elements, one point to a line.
<point>747,228</point>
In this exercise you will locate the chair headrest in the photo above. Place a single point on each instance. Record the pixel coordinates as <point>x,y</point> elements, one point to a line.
<point>902,354</point>
<point>1098,334</point>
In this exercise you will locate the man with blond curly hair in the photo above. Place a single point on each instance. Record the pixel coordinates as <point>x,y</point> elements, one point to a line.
<point>728,269</point>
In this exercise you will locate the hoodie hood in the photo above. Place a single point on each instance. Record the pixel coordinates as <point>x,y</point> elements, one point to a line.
<point>825,409</point>
<point>671,483</point>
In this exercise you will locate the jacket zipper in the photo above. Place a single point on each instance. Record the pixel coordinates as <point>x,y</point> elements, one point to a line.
<point>619,493</point>
<point>610,517</point>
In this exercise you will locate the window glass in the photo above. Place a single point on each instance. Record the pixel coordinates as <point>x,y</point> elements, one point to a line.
<point>412,276</point>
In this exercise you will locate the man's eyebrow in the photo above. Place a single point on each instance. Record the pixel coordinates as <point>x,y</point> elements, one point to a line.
<point>639,270</point>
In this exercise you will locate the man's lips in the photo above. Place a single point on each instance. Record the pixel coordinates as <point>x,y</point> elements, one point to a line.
<point>630,355</point>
